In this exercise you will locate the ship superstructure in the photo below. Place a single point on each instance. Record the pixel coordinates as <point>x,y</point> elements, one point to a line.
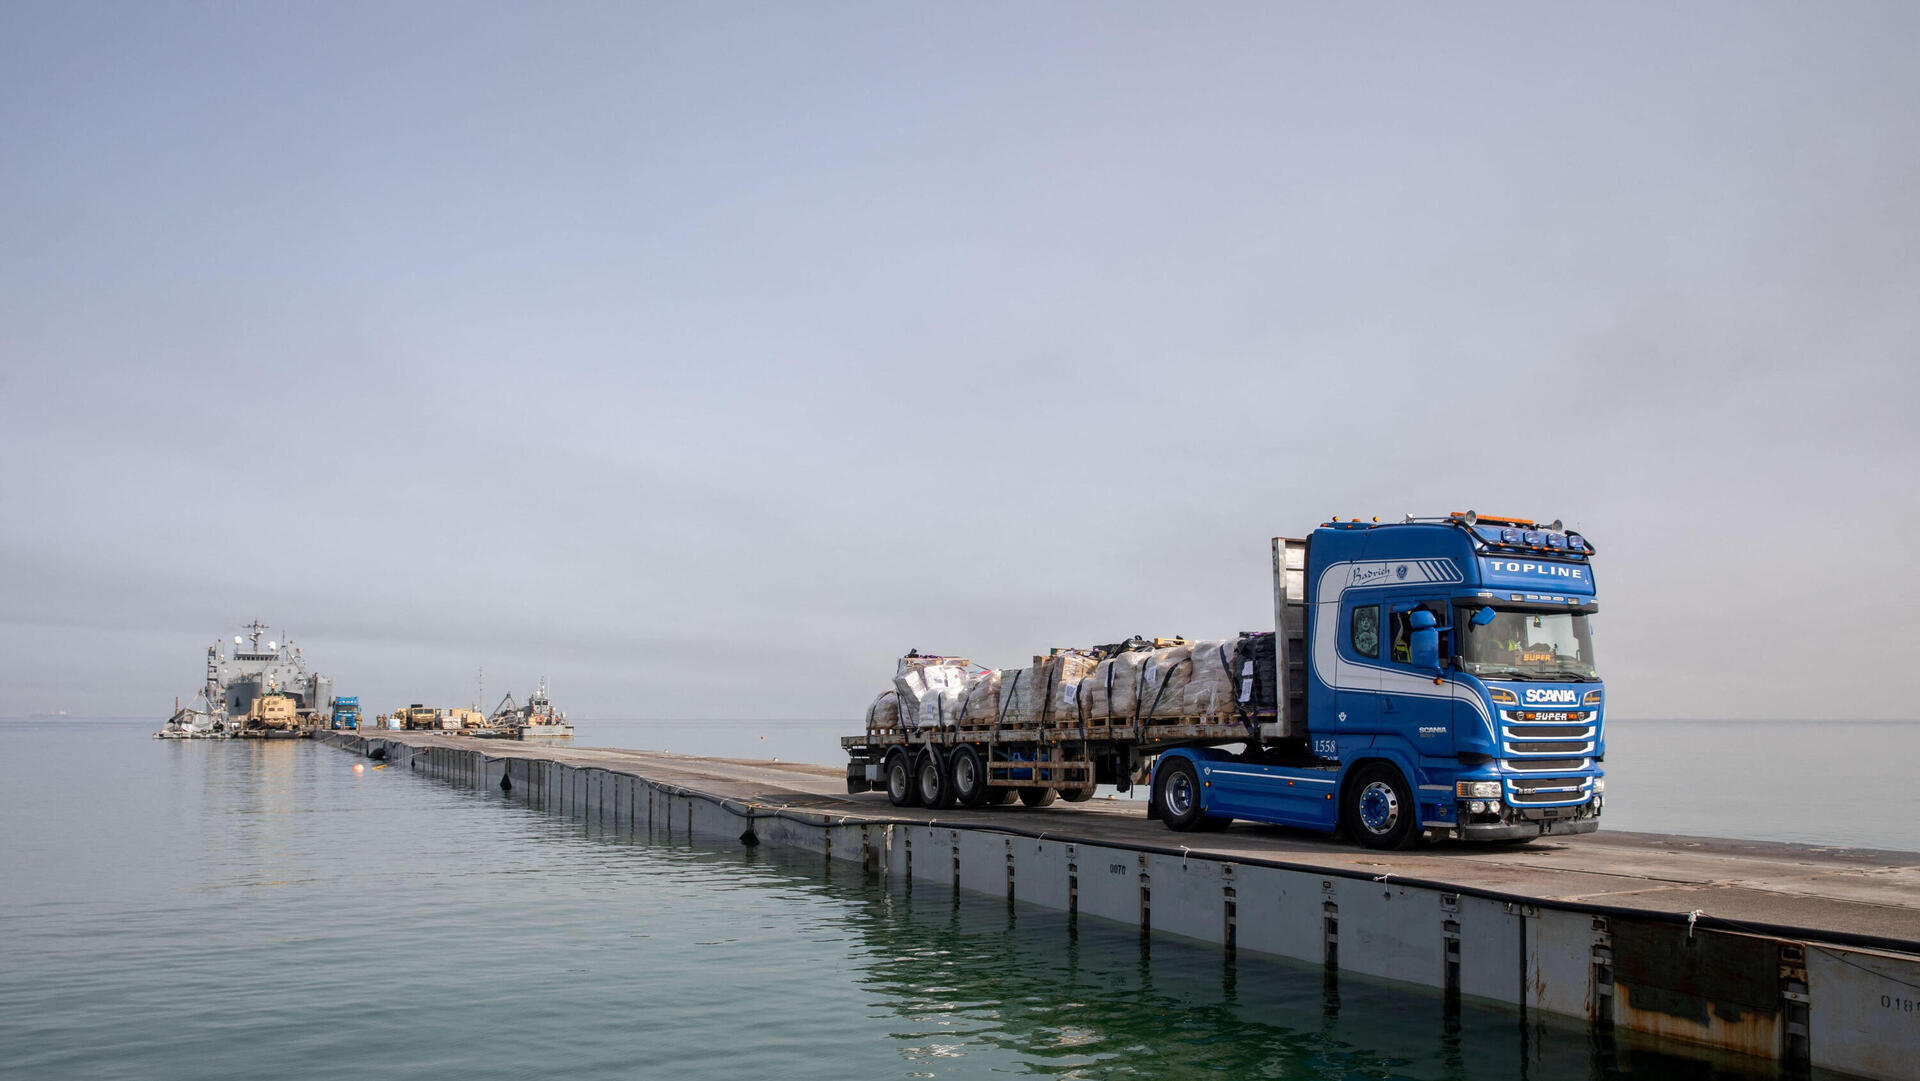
<point>246,679</point>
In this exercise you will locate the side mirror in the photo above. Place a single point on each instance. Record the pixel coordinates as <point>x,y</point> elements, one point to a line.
<point>1482,617</point>
<point>1423,645</point>
<point>1423,648</point>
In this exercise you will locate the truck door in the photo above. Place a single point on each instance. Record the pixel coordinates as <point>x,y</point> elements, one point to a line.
<point>1412,705</point>
<point>1361,649</point>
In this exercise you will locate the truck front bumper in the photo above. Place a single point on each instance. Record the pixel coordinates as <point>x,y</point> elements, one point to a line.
<point>1511,831</point>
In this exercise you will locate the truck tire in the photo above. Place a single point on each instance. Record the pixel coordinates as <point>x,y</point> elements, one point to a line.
<point>1176,795</point>
<point>969,775</point>
<point>1077,795</point>
<point>1035,796</point>
<point>999,796</point>
<point>901,791</point>
<point>1378,808</point>
<point>931,780</point>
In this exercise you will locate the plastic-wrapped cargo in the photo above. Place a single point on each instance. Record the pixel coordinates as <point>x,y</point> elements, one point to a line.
<point>1257,671</point>
<point>1113,688</point>
<point>1209,685</point>
<point>1095,703</point>
<point>883,715</point>
<point>980,707</point>
<point>1020,693</point>
<point>1066,671</point>
<point>1163,680</point>
<point>931,692</point>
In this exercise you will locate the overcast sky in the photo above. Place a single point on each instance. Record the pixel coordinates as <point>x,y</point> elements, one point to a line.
<point>706,357</point>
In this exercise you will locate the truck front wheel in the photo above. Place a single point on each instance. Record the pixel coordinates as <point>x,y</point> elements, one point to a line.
<point>901,791</point>
<point>1378,808</point>
<point>1176,794</point>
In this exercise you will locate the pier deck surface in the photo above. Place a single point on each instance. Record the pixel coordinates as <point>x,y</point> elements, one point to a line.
<point>1838,891</point>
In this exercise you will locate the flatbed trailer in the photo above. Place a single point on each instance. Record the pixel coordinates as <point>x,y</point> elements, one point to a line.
<point>1425,679</point>
<point>1039,763</point>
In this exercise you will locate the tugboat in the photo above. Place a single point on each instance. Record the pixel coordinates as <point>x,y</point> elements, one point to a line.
<point>238,677</point>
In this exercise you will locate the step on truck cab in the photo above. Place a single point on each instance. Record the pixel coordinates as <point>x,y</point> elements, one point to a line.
<point>1444,685</point>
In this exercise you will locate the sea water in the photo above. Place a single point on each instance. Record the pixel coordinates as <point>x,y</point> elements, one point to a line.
<point>264,910</point>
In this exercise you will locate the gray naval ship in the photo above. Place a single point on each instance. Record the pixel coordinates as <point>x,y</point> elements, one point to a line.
<point>253,689</point>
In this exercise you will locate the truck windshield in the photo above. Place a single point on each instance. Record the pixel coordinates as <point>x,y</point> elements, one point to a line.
<point>1529,645</point>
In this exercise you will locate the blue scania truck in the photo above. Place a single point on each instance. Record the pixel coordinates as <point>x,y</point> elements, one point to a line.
<point>1430,678</point>
<point>1441,683</point>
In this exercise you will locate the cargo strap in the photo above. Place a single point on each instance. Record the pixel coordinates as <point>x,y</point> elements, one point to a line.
<point>1171,669</point>
<point>1006,699</point>
<point>1233,686</point>
<point>1080,700</point>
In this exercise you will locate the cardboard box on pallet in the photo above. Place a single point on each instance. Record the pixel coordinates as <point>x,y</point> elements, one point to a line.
<point>1067,670</point>
<point>1045,692</point>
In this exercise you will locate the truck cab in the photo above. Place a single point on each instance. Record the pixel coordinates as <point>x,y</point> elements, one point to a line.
<point>346,712</point>
<point>1448,689</point>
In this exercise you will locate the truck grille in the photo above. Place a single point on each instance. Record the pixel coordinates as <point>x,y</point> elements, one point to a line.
<point>1525,791</point>
<point>1551,731</point>
<point>1546,765</point>
<point>1556,738</point>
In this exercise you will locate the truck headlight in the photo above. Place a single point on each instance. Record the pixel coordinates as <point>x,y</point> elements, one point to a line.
<point>1478,806</point>
<point>1599,785</point>
<point>1477,789</point>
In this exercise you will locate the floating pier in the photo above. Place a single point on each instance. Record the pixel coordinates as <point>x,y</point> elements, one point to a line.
<point>1803,955</point>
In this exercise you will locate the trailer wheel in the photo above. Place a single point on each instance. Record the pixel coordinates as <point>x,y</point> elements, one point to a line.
<point>1035,796</point>
<point>931,780</point>
<point>1077,795</point>
<point>1378,808</point>
<point>901,791</point>
<point>999,796</point>
<point>969,776</point>
<point>1176,794</point>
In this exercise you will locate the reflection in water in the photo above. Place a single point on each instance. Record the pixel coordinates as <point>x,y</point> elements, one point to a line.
<point>960,974</point>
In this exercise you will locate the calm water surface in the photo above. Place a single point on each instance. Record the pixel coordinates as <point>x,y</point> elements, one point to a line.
<point>244,910</point>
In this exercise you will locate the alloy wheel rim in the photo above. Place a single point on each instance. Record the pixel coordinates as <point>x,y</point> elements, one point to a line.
<point>1179,794</point>
<point>1379,807</point>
